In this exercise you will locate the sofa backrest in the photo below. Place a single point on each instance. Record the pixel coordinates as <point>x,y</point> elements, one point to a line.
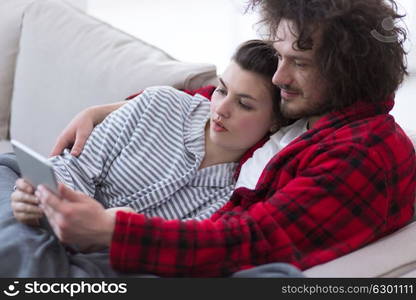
<point>68,61</point>
<point>11,12</point>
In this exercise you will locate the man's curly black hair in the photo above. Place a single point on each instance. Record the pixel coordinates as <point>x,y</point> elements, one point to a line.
<point>361,54</point>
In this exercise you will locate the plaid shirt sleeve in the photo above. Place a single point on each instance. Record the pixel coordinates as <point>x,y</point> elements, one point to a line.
<point>319,206</point>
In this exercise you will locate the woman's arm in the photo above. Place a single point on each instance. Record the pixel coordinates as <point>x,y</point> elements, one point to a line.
<point>104,144</point>
<point>79,129</point>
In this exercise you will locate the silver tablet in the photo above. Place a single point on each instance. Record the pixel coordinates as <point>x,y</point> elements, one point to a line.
<point>35,168</point>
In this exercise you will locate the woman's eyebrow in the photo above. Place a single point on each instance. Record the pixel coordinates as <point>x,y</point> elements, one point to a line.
<point>222,82</point>
<point>239,95</point>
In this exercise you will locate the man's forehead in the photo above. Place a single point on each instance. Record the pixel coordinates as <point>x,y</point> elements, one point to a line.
<point>287,33</point>
<point>285,30</point>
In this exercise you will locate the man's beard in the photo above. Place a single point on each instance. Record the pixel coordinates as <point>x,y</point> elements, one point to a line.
<point>311,110</point>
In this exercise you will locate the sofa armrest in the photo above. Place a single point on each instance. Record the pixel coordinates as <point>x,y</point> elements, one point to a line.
<point>392,256</point>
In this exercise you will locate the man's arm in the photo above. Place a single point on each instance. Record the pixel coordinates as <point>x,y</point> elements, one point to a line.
<point>79,129</point>
<point>339,202</point>
<point>90,169</point>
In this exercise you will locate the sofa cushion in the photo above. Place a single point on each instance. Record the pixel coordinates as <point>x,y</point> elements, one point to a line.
<point>391,256</point>
<point>11,12</point>
<point>69,60</point>
<point>411,274</point>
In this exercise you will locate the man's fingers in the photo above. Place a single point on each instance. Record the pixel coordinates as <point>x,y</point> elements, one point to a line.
<point>62,142</point>
<point>80,140</point>
<point>48,198</point>
<point>53,206</point>
<point>69,194</point>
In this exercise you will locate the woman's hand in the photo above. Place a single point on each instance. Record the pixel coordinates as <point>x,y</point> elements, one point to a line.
<point>25,204</point>
<point>79,129</point>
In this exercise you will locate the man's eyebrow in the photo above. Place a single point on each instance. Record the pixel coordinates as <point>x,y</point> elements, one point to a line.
<point>295,57</point>
<point>240,95</point>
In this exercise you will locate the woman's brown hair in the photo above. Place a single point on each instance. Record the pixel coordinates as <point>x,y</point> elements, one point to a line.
<point>260,57</point>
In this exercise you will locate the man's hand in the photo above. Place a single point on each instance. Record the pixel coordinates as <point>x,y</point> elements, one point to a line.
<point>114,210</point>
<point>77,219</point>
<point>75,134</point>
<point>79,129</point>
<point>25,204</point>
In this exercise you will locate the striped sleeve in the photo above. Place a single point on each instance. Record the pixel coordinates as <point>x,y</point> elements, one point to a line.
<point>86,172</point>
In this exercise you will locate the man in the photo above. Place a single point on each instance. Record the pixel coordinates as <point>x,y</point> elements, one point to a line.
<point>347,181</point>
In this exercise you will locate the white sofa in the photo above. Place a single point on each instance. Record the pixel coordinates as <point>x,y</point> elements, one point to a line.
<point>59,60</point>
<point>56,60</point>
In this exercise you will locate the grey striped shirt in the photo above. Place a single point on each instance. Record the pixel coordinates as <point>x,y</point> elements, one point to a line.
<point>146,155</point>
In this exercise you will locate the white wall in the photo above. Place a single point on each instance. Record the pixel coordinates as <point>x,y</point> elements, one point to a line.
<point>405,108</point>
<point>209,31</point>
<point>409,7</point>
<point>82,4</point>
<point>190,30</point>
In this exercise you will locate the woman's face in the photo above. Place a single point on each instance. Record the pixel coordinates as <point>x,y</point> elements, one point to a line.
<point>241,109</point>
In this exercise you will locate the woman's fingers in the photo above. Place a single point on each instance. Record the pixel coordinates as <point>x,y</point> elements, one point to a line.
<point>28,219</point>
<point>22,197</point>
<point>23,186</point>
<point>26,208</point>
<point>25,204</point>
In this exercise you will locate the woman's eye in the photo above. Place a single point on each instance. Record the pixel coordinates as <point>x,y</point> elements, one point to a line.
<point>245,106</point>
<point>221,91</point>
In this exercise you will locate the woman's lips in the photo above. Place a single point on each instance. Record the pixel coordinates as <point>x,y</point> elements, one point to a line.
<point>218,127</point>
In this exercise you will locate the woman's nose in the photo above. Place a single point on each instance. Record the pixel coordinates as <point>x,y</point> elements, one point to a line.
<point>223,108</point>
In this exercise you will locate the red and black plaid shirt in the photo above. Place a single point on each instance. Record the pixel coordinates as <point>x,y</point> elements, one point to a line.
<point>345,183</point>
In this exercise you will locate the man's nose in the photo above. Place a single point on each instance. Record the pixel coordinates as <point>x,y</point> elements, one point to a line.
<point>282,76</point>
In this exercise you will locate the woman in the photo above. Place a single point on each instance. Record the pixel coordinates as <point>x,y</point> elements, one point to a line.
<point>170,154</point>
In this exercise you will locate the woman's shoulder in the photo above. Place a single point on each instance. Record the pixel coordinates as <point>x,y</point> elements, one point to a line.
<point>173,97</point>
<point>164,90</point>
